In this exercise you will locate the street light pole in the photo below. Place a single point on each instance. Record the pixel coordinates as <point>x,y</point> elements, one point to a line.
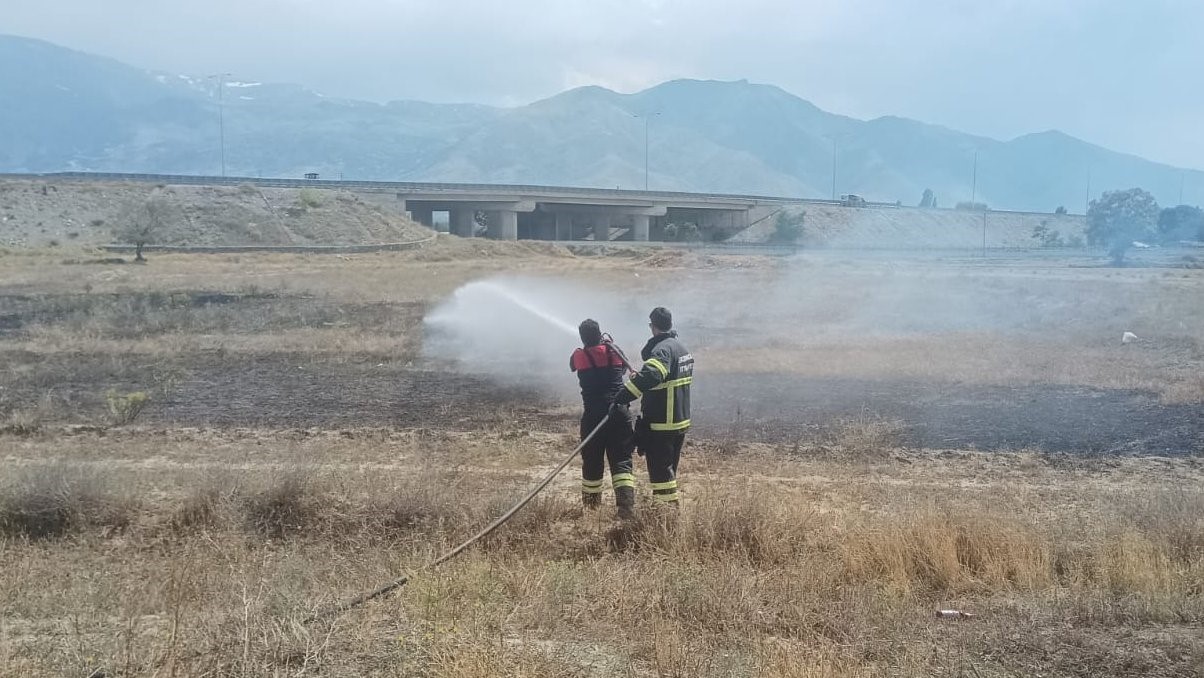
<point>834,168</point>
<point>221,115</point>
<point>647,117</point>
<point>645,153</point>
<point>984,234</point>
<point>974,182</point>
<point>1087,202</point>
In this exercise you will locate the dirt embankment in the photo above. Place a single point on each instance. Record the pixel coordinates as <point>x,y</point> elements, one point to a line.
<point>48,213</point>
<point>911,228</point>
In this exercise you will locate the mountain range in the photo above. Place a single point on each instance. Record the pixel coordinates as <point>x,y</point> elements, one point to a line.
<point>65,110</point>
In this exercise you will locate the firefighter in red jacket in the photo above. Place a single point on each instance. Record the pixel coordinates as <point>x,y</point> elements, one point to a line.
<point>600,367</point>
<point>663,383</point>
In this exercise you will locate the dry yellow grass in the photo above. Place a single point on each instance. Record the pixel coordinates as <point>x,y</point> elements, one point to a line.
<point>776,566</point>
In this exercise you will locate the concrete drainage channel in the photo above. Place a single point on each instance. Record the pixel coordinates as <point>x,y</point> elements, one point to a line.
<point>280,249</point>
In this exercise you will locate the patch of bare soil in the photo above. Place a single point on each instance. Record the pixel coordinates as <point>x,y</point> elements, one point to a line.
<point>773,408</point>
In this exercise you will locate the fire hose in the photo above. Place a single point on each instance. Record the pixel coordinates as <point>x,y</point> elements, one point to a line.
<point>389,587</point>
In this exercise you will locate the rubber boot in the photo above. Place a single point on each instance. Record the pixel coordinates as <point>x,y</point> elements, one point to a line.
<point>591,500</point>
<point>625,502</point>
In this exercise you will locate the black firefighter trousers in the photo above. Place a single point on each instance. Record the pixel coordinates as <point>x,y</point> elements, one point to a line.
<point>613,444</point>
<point>662,451</point>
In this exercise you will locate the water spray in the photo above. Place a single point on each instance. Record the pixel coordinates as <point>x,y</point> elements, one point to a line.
<point>525,305</point>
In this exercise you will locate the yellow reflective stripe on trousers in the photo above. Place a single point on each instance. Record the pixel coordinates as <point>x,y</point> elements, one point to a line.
<point>666,491</point>
<point>623,480</point>
<point>591,486</point>
<point>675,426</point>
<point>660,367</point>
<point>635,390</point>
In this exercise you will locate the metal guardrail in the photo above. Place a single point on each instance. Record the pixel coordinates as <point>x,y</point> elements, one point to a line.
<point>400,186</point>
<point>429,187</point>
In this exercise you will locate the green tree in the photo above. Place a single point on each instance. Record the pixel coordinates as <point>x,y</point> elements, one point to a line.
<point>145,222</point>
<point>929,199</point>
<point>1061,211</point>
<point>1182,222</point>
<point>1118,218</point>
<point>1047,236</point>
<point>788,227</point>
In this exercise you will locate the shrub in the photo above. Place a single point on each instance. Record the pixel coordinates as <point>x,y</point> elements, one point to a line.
<point>27,421</point>
<point>928,201</point>
<point>788,227</point>
<point>1047,236</point>
<point>688,232</point>
<point>309,197</point>
<point>206,504</point>
<point>51,501</point>
<point>286,506</point>
<point>125,408</point>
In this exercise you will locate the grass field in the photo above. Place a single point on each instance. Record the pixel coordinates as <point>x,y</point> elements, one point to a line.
<point>298,444</point>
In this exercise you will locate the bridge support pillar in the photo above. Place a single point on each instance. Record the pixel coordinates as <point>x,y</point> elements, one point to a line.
<point>425,217</point>
<point>503,225</point>
<point>463,222</point>
<point>564,226</point>
<point>639,227</point>
<point>602,228</point>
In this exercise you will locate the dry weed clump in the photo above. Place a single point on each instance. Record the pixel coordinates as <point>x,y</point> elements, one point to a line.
<point>947,551</point>
<point>55,500</point>
<point>210,503</point>
<point>746,521</point>
<point>27,421</point>
<point>288,504</point>
<point>1174,517</point>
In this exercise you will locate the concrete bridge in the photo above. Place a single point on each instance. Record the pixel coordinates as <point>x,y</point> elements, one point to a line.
<point>553,213</point>
<point>510,212</point>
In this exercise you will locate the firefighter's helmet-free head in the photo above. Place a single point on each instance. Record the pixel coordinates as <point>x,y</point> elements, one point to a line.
<point>661,319</point>
<point>591,334</point>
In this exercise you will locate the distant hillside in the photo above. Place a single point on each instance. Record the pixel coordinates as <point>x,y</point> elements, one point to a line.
<point>66,110</point>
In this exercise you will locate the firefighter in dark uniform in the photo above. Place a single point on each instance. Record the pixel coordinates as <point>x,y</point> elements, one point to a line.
<point>600,367</point>
<point>663,383</point>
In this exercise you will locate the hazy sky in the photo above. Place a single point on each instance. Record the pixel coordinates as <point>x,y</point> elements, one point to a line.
<point>1126,74</point>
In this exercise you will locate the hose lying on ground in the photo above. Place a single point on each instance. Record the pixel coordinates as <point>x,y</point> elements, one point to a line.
<point>401,581</point>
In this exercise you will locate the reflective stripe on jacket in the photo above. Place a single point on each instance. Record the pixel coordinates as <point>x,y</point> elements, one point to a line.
<point>663,383</point>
